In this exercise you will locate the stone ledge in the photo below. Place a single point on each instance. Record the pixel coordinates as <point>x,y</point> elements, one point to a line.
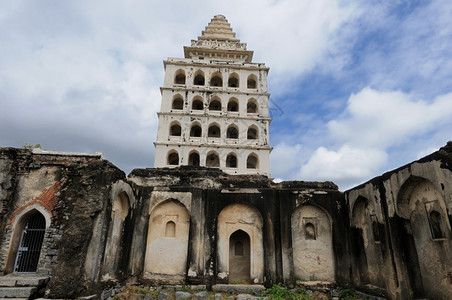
<point>32,281</point>
<point>22,280</point>
<point>7,282</point>
<point>17,292</point>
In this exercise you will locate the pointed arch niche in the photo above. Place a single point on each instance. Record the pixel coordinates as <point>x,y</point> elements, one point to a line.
<point>36,218</point>
<point>312,244</point>
<point>114,251</point>
<point>366,237</point>
<point>167,241</point>
<point>424,236</point>
<point>240,224</point>
<point>212,160</point>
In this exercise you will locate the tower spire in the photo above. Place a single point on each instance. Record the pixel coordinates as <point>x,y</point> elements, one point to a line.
<point>215,106</point>
<point>218,41</point>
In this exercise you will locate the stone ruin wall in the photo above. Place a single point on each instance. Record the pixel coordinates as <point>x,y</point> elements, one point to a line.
<point>401,232</point>
<point>197,224</point>
<point>71,193</point>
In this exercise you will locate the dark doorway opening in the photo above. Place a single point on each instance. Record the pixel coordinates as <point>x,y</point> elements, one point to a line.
<point>30,244</point>
<point>239,257</point>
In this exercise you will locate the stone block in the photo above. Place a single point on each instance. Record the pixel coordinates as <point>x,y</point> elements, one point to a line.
<point>163,296</point>
<point>148,297</point>
<point>32,281</point>
<point>238,288</point>
<point>247,297</point>
<point>182,295</point>
<point>52,252</point>
<point>17,292</point>
<point>7,282</point>
<point>199,287</point>
<point>202,295</point>
<point>176,287</point>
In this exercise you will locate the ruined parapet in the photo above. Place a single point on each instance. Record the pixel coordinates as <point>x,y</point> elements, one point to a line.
<point>60,199</point>
<point>195,177</point>
<point>266,220</point>
<point>400,225</point>
<point>82,246</point>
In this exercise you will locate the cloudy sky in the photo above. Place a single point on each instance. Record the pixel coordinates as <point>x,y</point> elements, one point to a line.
<point>357,87</point>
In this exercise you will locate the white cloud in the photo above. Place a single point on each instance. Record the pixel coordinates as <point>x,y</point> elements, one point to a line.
<point>348,165</point>
<point>361,137</point>
<point>85,76</point>
<point>383,119</point>
<point>285,159</point>
<point>292,36</point>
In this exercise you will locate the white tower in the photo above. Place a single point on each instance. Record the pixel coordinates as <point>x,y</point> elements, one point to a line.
<point>215,106</point>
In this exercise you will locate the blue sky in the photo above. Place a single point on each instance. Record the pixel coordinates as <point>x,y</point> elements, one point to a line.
<point>357,87</point>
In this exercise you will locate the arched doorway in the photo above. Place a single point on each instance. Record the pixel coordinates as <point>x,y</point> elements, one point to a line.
<point>30,244</point>
<point>239,257</point>
<point>240,228</point>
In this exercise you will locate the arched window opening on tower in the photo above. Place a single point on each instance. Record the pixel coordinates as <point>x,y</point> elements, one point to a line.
<point>252,162</point>
<point>173,158</point>
<point>197,104</point>
<point>178,103</point>
<point>199,78</point>
<point>233,80</point>
<point>175,130</point>
<point>214,131</point>
<point>193,159</point>
<point>170,229</point>
<point>215,105</point>
<point>212,160</point>
<point>180,77</point>
<point>251,82</point>
<point>251,107</point>
<point>435,224</point>
<point>251,133</point>
<point>195,131</point>
<point>216,80</point>
<point>233,105</point>
<point>231,161</point>
<point>232,132</point>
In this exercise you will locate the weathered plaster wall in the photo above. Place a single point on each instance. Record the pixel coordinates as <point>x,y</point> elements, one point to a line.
<point>82,244</point>
<point>312,244</point>
<point>247,219</point>
<point>119,231</point>
<point>71,192</point>
<point>390,236</point>
<point>220,205</point>
<point>401,231</point>
<point>167,241</point>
